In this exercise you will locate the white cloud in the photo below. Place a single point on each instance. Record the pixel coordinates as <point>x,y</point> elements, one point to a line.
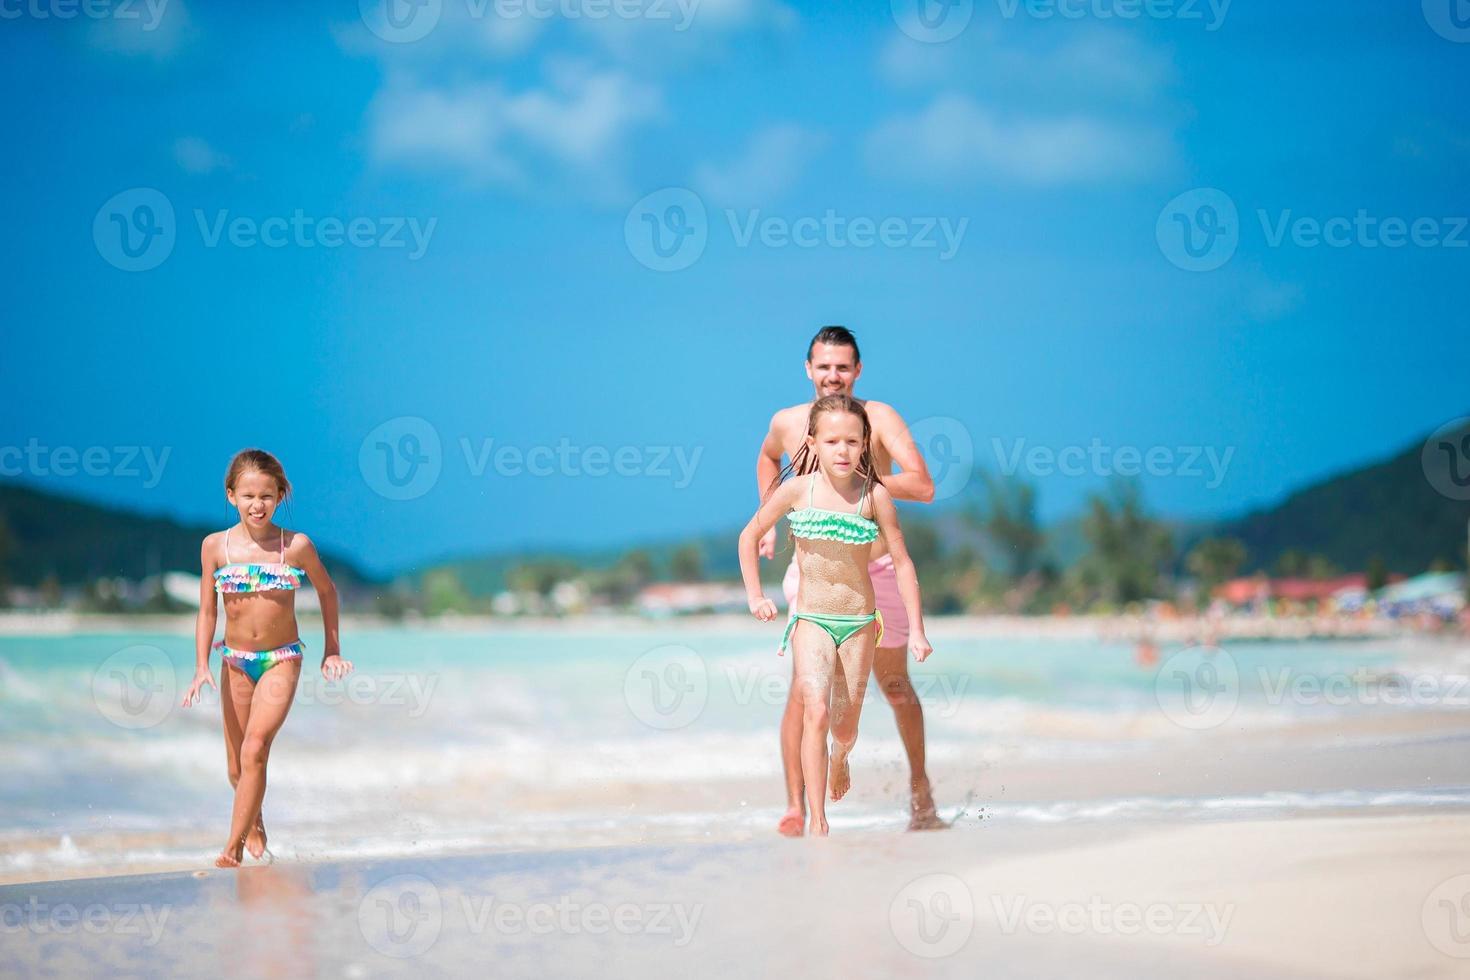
<point>1092,66</point>
<point>490,134</point>
<point>957,139</point>
<point>197,157</point>
<point>769,165</point>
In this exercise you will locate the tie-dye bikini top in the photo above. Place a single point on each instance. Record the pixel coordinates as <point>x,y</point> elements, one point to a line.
<point>816,524</point>
<point>236,577</point>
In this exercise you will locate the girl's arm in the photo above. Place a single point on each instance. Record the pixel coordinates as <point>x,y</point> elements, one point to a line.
<point>771,509</point>
<point>204,623</point>
<point>903,566</point>
<point>333,666</point>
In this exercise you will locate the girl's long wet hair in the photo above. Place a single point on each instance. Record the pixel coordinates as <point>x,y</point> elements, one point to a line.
<point>804,461</point>
<point>260,460</point>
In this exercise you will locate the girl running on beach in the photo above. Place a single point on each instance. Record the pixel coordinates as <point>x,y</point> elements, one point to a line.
<point>256,566</point>
<point>834,624</point>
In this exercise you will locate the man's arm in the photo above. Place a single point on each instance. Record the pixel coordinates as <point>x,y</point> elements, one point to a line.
<point>767,469</point>
<point>912,481</point>
<point>768,462</point>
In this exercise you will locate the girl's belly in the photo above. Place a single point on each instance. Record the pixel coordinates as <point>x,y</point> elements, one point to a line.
<point>834,578</point>
<point>260,620</point>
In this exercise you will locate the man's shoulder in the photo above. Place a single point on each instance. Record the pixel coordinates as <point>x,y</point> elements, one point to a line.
<point>881,413</point>
<point>791,415</point>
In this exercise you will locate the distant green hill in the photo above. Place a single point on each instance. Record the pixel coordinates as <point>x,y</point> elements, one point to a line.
<point>79,542</point>
<point>1389,510</point>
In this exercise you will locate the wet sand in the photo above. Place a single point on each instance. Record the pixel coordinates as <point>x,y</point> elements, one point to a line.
<point>1355,896</point>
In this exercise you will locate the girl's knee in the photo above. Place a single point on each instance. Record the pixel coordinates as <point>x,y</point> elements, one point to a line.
<point>253,751</point>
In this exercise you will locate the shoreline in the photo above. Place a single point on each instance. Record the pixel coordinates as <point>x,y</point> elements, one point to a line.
<point>1105,628</point>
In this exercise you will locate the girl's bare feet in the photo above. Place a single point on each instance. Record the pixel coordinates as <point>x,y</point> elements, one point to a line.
<point>231,855</point>
<point>790,824</point>
<point>922,815</point>
<point>255,840</point>
<point>818,828</point>
<point>839,776</point>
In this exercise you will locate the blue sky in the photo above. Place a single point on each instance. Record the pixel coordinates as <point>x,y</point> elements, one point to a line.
<point>1066,155</point>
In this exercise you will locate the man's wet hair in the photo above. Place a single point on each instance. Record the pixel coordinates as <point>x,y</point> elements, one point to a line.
<point>838,336</point>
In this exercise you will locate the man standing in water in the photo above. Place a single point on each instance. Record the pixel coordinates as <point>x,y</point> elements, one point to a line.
<point>833,365</point>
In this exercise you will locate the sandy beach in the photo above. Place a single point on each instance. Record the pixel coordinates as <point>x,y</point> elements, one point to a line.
<point>1362,896</point>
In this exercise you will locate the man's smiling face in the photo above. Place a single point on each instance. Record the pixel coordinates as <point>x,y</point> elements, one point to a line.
<point>833,369</point>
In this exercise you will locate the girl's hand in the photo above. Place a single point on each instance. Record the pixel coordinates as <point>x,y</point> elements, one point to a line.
<point>334,667</point>
<point>763,609</point>
<point>919,647</point>
<point>191,696</point>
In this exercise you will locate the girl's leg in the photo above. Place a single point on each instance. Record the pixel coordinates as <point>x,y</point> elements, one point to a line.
<point>814,657</point>
<point>850,685</point>
<point>235,694</point>
<point>270,702</point>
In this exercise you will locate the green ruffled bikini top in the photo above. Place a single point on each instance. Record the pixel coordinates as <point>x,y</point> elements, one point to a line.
<point>816,524</point>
